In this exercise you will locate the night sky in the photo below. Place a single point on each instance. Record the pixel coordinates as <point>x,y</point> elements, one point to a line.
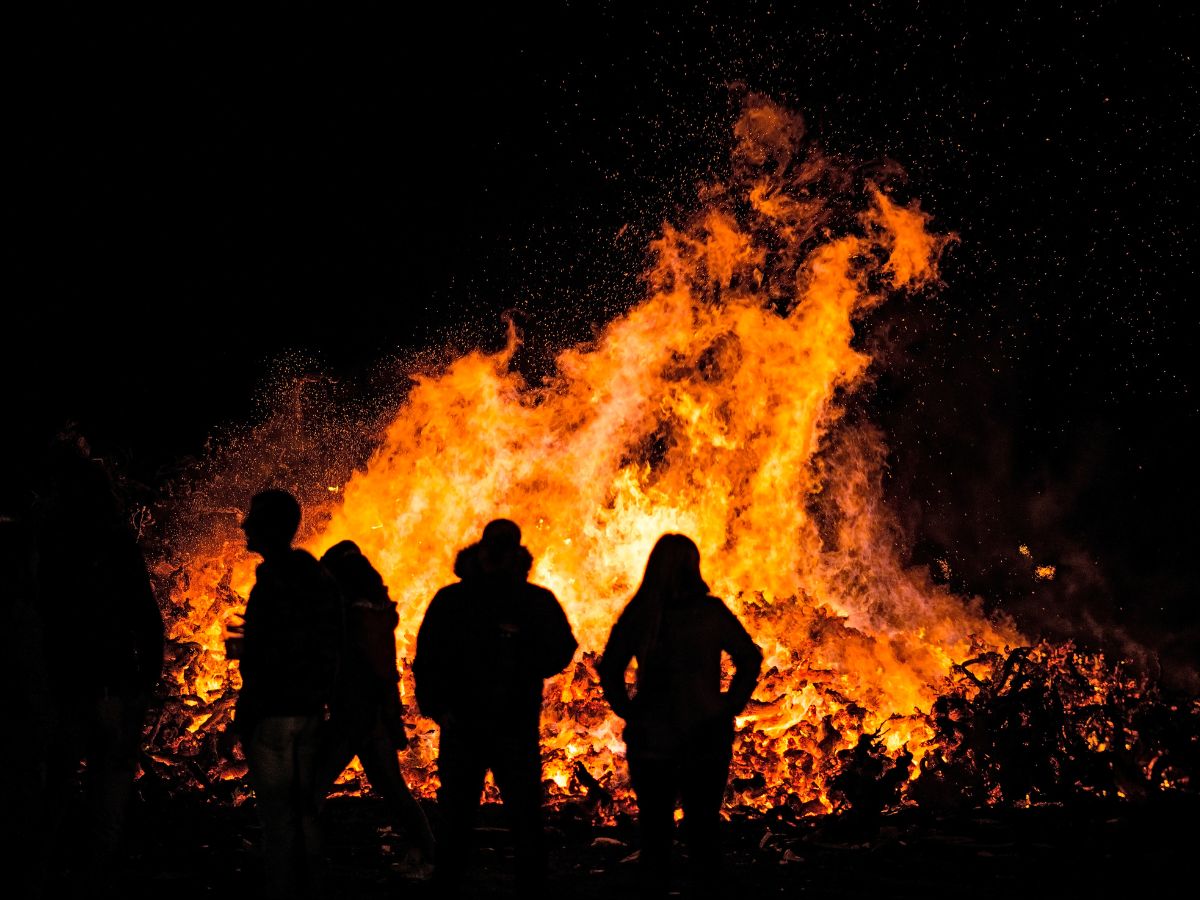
<point>200,194</point>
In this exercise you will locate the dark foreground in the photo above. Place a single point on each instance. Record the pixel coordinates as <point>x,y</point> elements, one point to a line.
<point>1093,849</point>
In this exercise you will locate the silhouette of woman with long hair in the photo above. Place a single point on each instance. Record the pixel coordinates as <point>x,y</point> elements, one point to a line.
<point>678,723</point>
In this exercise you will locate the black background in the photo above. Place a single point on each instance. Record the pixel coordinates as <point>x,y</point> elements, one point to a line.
<point>201,192</point>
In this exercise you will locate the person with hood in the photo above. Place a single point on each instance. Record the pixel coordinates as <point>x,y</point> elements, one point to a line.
<point>484,649</point>
<point>679,723</point>
<point>367,715</point>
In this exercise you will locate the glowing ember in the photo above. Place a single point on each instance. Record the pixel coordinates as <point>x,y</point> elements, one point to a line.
<point>712,408</point>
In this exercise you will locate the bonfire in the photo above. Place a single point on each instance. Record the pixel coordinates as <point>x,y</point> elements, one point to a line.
<point>715,407</point>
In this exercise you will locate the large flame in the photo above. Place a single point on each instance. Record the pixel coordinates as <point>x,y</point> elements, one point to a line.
<point>712,408</point>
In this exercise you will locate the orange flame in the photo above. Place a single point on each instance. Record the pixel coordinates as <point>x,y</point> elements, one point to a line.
<point>711,408</point>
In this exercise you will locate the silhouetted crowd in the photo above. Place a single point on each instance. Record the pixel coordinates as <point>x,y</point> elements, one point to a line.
<point>320,686</point>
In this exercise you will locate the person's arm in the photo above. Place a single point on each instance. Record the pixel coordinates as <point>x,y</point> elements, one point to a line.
<point>747,661</point>
<point>618,653</point>
<point>556,642</point>
<point>434,639</point>
<point>253,626</point>
<point>149,632</point>
<point>331,633</point>
<point>372,632</point>
<point>382,656</point>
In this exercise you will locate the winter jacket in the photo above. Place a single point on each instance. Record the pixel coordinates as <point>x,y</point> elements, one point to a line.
<point>679,701</point>
<point>484,648</point>
<point>293,632</point>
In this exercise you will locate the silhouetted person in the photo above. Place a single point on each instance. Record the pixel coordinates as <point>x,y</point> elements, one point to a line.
<point>30,712</point>
<point>291,637</point>
<point>367,717</point>
<point>679,723</point>
<point>103,638</point>
<point>483,651</point>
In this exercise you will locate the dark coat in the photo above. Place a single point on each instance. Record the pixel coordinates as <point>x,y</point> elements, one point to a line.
<point>368,680</point>
<point>293,632</point>
<point>101,619</point>
<point>679,702</point>
<point>484,648</point>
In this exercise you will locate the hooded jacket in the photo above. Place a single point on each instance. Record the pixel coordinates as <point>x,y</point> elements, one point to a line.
<point>485,647</point>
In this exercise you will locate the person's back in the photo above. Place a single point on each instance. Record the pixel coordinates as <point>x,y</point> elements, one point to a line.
<point>679,687</point>
<point>31,712</point>
<point>368,675</point>
<point>484,648</point>
<point>289,658</point>
<point>679,724</point>
<point>367,715</point>
<point>94,588</point>
<point>103,642</point>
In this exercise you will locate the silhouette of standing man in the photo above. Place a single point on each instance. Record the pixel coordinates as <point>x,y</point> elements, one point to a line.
<point>679,725</point>
<point>484,649</point>
<point>104,646</point>
<point>289,657</point>
<point>30,711</point>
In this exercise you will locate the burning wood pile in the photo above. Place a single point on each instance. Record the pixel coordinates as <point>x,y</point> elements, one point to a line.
<point>1043,724</point>
<point>716,407</point>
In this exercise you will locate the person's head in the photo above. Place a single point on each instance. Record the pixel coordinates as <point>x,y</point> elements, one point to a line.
<point>500,551</point>
<point>341,552</point>
<point>80,486</point>
<point>272,521</point>
<point>672,571</point>
<point>358,579</point>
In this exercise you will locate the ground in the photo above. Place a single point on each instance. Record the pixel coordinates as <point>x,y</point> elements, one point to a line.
<point>1095,849</point>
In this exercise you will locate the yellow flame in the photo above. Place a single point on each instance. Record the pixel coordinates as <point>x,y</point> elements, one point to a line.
<point>711,408</point>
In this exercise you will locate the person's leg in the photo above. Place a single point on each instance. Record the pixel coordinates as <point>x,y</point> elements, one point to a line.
<point>23,762</point>
<point>271,760</point>
<point>114,736</point>
<point>461,769</point>
<point>655,784</point>
<point>380,762</point>
<point>518,772</point>
<point>334,752</point>
<point>704,775</point>
<point>304,789</point>
<point>63,847</point>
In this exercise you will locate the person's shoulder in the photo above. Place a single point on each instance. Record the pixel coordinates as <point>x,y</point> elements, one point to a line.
<point>540,595</point>
<point>625,622</point>
<point>723,615</point>
<point>304,563</point>
<point>301,557</point>
<point>120,538</point>
<point>452,593</point>
<point>304,568</point>
<point>713,605</point>
<point>456,588</point>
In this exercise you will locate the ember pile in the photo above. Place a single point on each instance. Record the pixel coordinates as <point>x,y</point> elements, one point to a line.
<point>715,407</point>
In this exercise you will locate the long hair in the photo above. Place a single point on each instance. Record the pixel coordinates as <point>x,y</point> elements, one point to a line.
<point>672,574</point>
